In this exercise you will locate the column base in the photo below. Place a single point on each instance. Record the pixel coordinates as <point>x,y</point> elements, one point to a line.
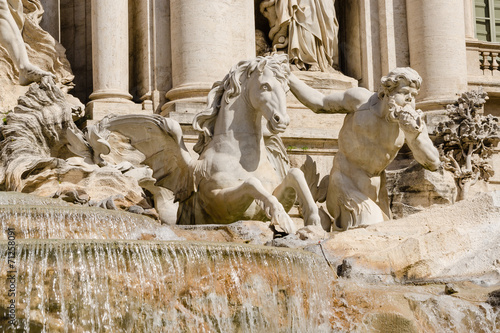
<point>326,82</point>
<point>185,101</point>
<point>435,104</point>
<point>184,110</point>
<point>110,94</point>
<point>435,111</point>
<point>98,109</point>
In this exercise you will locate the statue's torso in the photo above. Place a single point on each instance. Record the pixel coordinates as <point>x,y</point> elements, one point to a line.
<point>369,141</point>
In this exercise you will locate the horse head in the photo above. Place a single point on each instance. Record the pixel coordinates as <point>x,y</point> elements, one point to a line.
<point>261,83</point>
<point>267,87</point>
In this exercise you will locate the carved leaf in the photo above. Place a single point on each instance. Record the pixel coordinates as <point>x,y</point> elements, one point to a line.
<point>318,188</point>
<point>98,143</point>
<point>77,143</point>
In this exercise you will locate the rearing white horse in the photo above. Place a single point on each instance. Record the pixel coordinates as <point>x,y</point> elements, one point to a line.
<point>233,178</point>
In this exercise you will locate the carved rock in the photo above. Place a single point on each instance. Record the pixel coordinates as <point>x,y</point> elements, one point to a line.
<point>494,298</point>
<point>443,242</point>
<point>344,269</point>
<point>414,188</point>
<point>39,153</point>
<point>450,289</point>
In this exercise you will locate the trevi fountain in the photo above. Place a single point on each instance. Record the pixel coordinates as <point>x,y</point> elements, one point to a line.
<point>249,166</point>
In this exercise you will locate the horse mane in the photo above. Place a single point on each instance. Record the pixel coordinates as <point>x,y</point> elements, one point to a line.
<point>230,87</point>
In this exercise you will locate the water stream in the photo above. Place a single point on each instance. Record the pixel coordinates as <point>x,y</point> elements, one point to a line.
<point>81,269</point>
<point>143,286</point>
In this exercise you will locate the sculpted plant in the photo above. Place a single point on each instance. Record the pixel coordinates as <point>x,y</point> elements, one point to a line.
<point>467,140</point>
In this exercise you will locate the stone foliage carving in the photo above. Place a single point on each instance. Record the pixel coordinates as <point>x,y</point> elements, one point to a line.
<point>466,141</point>
<point>27,52</point>
<point>305,29</point>
<point>40,151</point>
<point>233,178</point>
<point>375,128</point>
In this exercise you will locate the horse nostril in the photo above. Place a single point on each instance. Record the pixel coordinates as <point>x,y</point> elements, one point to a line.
<point>287,120</point>
<point>276,118</point>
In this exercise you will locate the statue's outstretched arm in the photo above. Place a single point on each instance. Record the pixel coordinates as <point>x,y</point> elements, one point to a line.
<point>337,102</point>
<point>423,149</point>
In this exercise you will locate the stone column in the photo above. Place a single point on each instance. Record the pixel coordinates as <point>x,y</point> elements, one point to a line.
<point>393,35</point>
<point>110,58</point>
<point>370,45</point>
<point>436,34</point>
<point>208,37</point>
<point>51,19</point>
<point>151,52</point>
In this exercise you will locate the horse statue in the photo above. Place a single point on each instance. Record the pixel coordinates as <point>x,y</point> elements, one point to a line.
<point>233,178</point>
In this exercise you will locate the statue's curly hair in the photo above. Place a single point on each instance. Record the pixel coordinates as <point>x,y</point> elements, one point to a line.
<point>391,81</point>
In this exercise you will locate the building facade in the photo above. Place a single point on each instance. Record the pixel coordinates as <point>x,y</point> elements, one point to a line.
<point>163,56</point>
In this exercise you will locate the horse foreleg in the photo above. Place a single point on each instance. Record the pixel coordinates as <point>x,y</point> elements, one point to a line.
<point>295,180</point>
<point>235,198</point>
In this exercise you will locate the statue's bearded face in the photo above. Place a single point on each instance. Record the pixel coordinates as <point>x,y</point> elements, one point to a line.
<point>404,94</point>
<point>401,102</point>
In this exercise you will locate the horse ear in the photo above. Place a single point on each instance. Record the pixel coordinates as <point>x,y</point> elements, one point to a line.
<point>262,65</point>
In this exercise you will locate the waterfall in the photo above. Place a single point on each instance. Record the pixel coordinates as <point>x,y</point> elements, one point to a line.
<point>144,286</point>
<point>46,218</point>
<point>82,269</point>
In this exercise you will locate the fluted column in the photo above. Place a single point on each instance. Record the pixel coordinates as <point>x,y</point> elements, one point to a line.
<point>208,37</point>
<point>152,53</point>
<point>436,34</point>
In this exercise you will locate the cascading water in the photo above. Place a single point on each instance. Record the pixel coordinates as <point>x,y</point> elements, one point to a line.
<point>83,269</point>
<point>45,218</point>
<point>143,286</point>
<point>83,285</point>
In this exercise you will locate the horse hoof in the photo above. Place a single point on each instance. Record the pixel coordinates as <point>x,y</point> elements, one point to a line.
<point>313,219</point>
<point>284,221</point>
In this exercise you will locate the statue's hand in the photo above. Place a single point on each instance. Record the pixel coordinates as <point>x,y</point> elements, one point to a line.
<point>410,120</point>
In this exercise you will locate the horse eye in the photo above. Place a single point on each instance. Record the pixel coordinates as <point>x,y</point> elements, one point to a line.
<point>266,87</point>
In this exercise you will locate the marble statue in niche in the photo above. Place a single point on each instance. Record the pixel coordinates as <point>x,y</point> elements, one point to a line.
<point>306,30</point>
<point>11,25</point>
<point>375,127</point>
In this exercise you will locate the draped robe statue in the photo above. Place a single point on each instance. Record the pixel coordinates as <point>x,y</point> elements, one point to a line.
<point>307,29</point>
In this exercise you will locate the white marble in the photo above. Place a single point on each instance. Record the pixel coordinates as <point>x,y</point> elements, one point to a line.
<point>375,128</point>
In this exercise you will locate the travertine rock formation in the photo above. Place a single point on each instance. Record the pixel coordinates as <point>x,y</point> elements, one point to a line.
<point>454,242</point>
<point>43,152</point>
